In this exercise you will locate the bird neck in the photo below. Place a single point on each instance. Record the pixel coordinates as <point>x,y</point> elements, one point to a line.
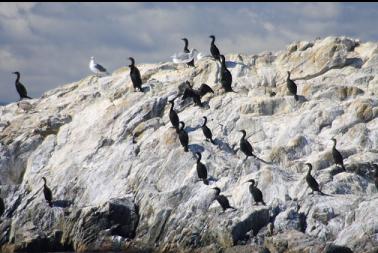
<point>172,104</point>
<point>186,45</point>
<point>334,144</point>
<point>199,157</point>
<point>309,171</point>
<point>212,40</point>
<point>182,126</point>
<point>288,76</point>
<point>244,134</point>
<point>204,123</point>
<point>18,77</point>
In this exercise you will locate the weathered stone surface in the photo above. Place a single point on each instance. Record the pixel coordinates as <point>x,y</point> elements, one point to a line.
<point>121,180</point>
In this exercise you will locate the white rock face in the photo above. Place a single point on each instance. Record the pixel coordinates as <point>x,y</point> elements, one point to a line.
<point>79,136</point>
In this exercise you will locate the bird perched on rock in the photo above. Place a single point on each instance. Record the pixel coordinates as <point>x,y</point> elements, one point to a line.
<point>292,87</point>
<point>47,192</point>
<point>183,137</point>
<point>245,146</point>
<point>173,117</point>
<point>202,170</point>
<point>186,50</point>
<point>256,193</point>
<point>97,68</point>
<point>206,131</point>
<point>226,77</point>
<point>135,75</point>
<point>196,94</point>
<point>222,200</point>
<point>337,157</point>
<point>311,180</point>
<point>213,48</point>
<point>20,87</point>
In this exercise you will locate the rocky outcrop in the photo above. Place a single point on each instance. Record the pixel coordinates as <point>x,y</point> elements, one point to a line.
<point>122,181</point>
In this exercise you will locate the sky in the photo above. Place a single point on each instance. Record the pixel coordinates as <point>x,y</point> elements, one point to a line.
<point>50,44</point>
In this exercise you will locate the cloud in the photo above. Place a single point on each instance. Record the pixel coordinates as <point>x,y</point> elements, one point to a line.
<point>50,43</point>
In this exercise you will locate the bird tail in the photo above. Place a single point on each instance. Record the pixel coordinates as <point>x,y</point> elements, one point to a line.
<point>186,149</point>
<point>233,208</point>
<point>296,97</point>
<point>177,130</point>
<point>50,203</point>
<point>205,181</point>
<point>212,141</point>
<point>342,166</point>
<point>263,203</point>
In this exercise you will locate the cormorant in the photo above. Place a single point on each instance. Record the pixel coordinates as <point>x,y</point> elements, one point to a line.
<point>206,131</point>
<point>2,207</point>
<point>47,192</point>
<point>338,249</point>
<point>194,94</point>
<point>183,136</point>
<point>256,193</point>
<point>201,170</point>
<point>291,86</point>
<point>245,146</point>
<point>20,87</point>
<point>222,200</point>
<point>213,48</point>
<point>186,50</point>
<point>337,157</point>
<point>376,175</point>
<point>173,116</point>
<point>97,68</point>
<point>226,77</point>
<point>135,75</point>
<point>204,88</point>
<point>311,180</point>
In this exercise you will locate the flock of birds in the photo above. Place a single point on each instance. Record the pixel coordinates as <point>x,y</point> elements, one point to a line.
<point>196,95</point>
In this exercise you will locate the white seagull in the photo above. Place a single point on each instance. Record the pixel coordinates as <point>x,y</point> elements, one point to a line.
<point>97,68</point>
<point>184,57</point>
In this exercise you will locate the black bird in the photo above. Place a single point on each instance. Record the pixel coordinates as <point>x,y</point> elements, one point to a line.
<point>204,88</point>
<point>47,192</point>
<point>186,50</point>
<point>311,180</point>
<point>201,170</point>
<point>245,146</point>
<point>206,131</point>
<point>20,87</point>
<point>222,200</point>
<point>183,136</point>
<point>2,207</point>
<point>291,86</point>
<point>256,193</point>
<point>337,157</point>
<point>194,94</point>
<point>135,75</point>
<point>376,175</point>
<point>226,77</point>
<point>213,48</point>
<point>173,117</point>
<point>338,249</point>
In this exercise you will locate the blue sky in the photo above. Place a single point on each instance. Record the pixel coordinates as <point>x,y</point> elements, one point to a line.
<point>51,43</point>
